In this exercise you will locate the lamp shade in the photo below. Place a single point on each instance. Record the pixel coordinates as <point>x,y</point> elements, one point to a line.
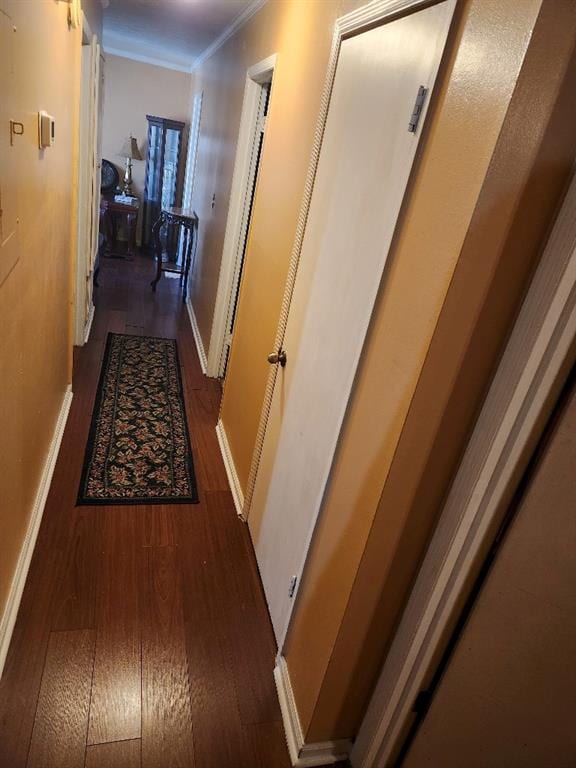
<point>130,149</point>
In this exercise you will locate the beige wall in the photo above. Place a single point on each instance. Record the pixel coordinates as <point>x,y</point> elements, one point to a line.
<point>509,221</point>
<point>134,90</point>
<point>36,298</point>
<point>450,295</point>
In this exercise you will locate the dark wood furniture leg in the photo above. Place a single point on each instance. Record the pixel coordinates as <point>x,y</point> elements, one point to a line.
<point>107,227</point>
<point>176,217</point>
<point>158,246</point>
<point>191,239</point>
<point>131,225</point>
<point>113,234</point>
<point>99,254</point>
<point>184,231</point>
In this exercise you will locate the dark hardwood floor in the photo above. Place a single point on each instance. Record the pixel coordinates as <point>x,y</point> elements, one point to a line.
<point>143,637</point>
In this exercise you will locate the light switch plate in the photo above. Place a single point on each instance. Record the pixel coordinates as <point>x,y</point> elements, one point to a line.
<point>45,130</point>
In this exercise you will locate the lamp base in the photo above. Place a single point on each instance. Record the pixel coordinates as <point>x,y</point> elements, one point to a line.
<point>127,186</point>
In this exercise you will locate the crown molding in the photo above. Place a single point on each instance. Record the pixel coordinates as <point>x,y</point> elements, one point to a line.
<point>144,58</point>
<point>126,47</point>
<point>238,22</point>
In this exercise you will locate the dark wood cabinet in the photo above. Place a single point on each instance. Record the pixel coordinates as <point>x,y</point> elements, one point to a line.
<point>163,183</point>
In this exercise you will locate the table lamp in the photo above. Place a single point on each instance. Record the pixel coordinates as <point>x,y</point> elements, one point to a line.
<point>131,152</point>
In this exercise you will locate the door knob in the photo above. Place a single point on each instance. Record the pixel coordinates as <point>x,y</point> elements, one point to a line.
<point>277,357</point>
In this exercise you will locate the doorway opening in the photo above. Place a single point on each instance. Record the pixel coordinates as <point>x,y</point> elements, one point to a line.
<point>251,190</point>
<point>244,181</point>
<point>191,157</point>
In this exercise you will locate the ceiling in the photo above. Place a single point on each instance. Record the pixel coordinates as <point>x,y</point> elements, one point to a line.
<point>172,33</point>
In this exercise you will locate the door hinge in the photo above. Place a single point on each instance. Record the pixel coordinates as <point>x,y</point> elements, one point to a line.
<point>292,586</point>
<point>417,110</point>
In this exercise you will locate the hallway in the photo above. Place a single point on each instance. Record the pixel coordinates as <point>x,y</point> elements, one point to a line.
<point>386,279</point>
<point>143,637</point>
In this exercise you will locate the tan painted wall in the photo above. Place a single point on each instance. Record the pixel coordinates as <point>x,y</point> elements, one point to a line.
<point>134,90</point>
<point>449,179</point>
<point>412,461</point>
<point>36,298</point>
<point>397,438</point>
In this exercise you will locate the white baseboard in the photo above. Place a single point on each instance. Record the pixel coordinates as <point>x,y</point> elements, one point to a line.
<point>89,324</point>
<point>197,337</point>
<point>301,754</point>
<point>235,487</point>
<point>19,579</point>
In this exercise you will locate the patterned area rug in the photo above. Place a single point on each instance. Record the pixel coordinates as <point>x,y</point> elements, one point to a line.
<point>138,448</point>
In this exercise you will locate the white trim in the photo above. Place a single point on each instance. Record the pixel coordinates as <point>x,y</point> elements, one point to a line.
<point>230,467</point>
<point>89,323</point>
<point>262,71</point>
<point>88,202</point>
<point>230,264</point>
<point>144,58</point>
<point>197,336</point>
<point>192,154</point>
<point>238,22</point>
<point>21,572</point>
<point>375,12</point>
<point>301,754</point>
<point>191,162</point>
<point>521,396</point>
<point>83,200</point>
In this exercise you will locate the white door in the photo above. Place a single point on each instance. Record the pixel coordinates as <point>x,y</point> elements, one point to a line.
<point>192,150</point>
<point>88,185</point>
<point>365,161</point>
<point>191,162</point>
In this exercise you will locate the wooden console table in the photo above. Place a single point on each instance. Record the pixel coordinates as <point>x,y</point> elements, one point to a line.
<point>186,221</point>
<point>113,213</point>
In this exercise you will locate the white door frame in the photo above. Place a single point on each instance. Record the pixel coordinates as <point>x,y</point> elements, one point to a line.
<point>195,117</point>
<point>538,355</point>
<point>240,197</point>
<point>88,184</point>
<point>191,157</point>
<point>83,193</point>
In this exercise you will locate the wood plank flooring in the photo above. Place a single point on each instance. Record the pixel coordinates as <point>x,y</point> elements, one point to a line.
<point>143,639</point>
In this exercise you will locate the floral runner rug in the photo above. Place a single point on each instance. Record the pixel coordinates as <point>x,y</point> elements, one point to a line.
<point>138,448</point>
